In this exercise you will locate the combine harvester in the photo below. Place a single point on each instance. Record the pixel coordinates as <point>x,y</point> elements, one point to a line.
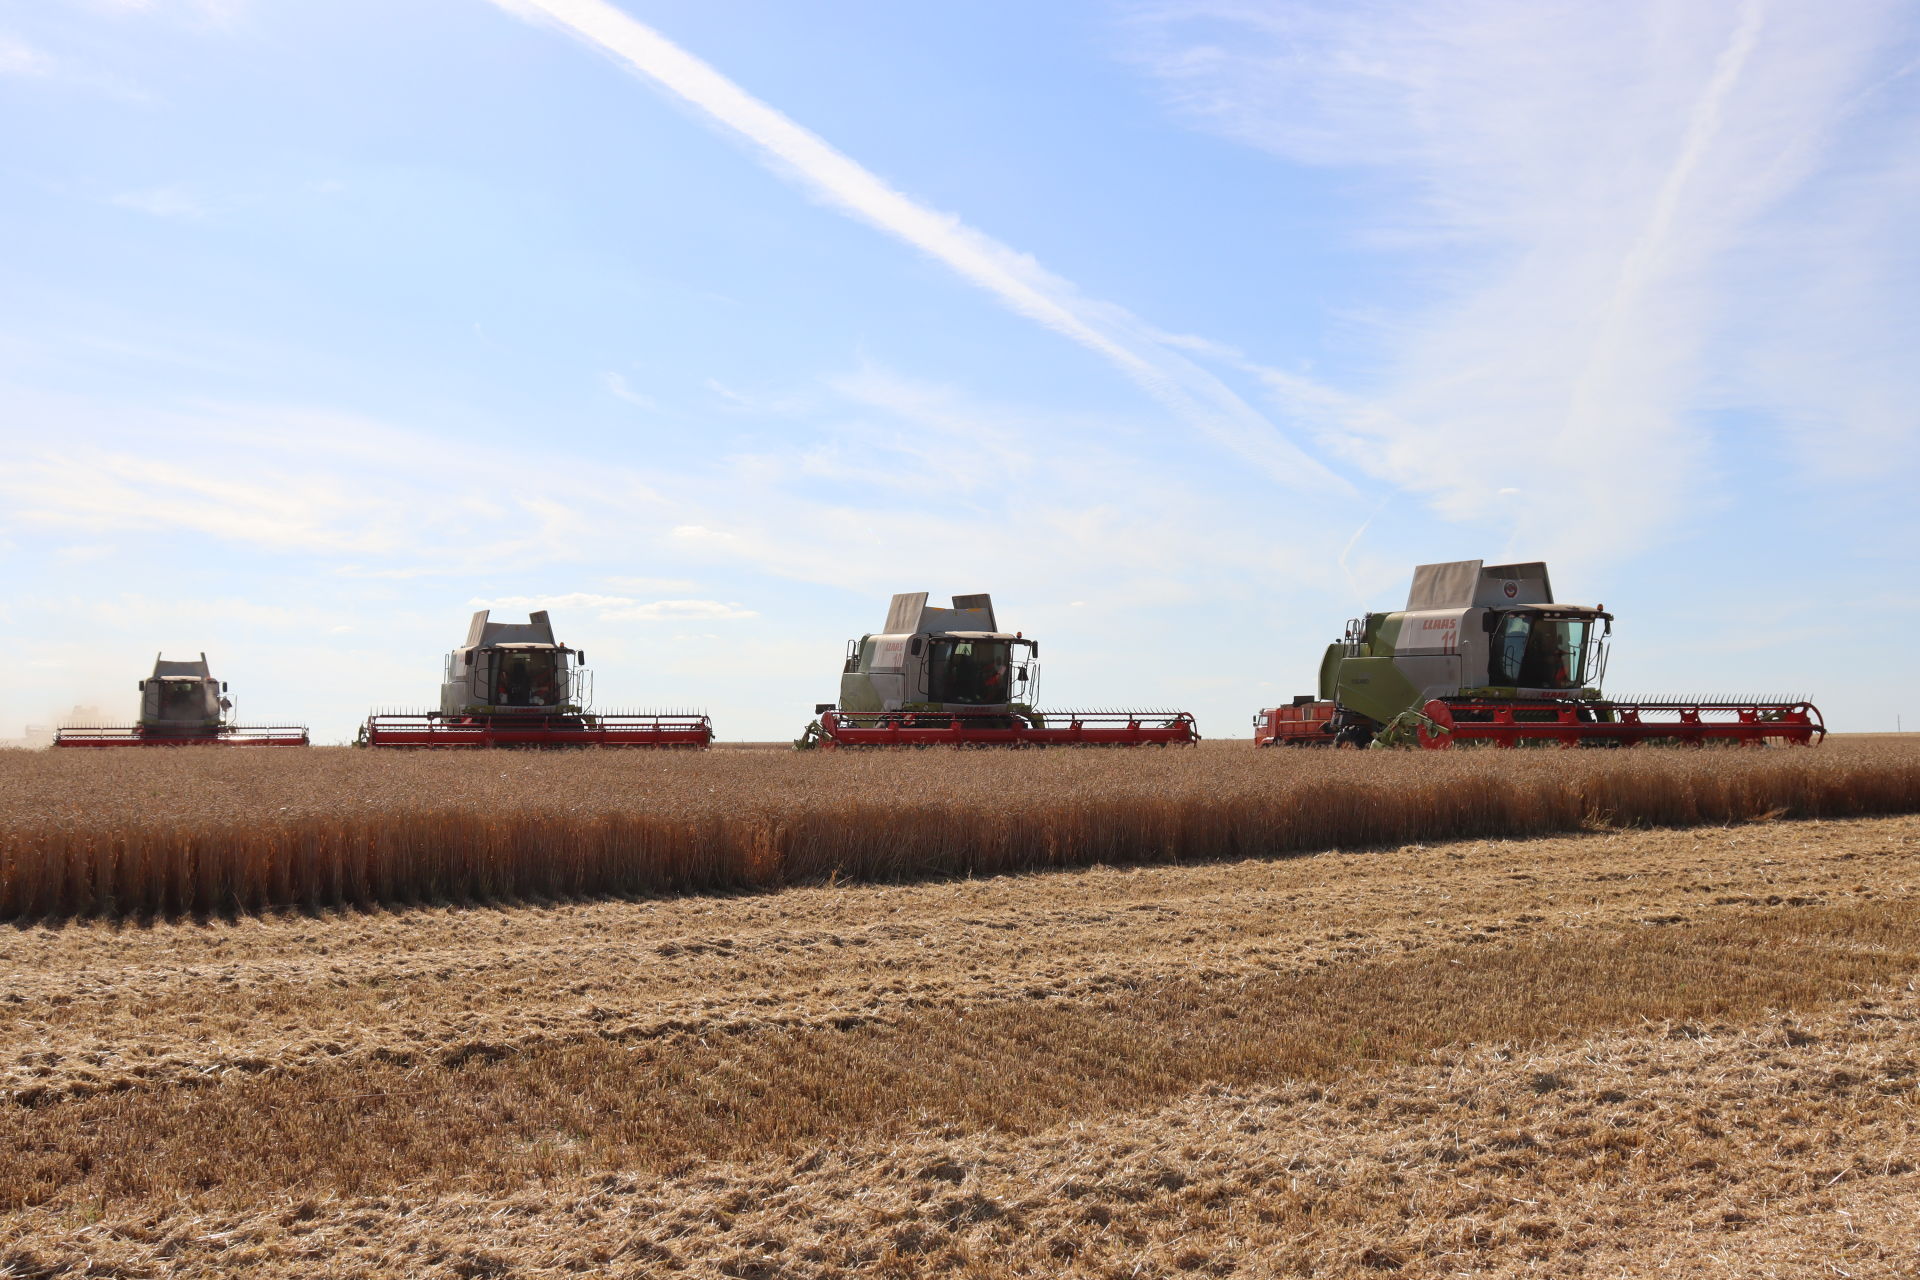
<point>1483,655</point>
<point>512,685</point>
<point>182,705</point>
<point>951,677</point>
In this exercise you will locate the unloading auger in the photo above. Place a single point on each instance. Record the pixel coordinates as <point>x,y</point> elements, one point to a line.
<point>951,677</point>
<point>1482,654</point>
<point>513,685</point>
<point>182,705</point>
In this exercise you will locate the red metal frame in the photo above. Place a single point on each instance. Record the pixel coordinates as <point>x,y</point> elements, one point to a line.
<point>1007,729</point>
<point>682,732</point>
<point>1573,723</point>
<point>280,735</point>
<point>1303,724</point>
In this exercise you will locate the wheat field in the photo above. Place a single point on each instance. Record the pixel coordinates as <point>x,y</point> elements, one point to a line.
<point>209,830</point>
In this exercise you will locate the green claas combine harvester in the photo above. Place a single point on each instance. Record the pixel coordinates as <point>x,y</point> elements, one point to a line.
<point>1482,654</point>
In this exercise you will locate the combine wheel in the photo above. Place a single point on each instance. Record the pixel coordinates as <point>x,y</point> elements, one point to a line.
<point>1434,726</point>
<point>1356,733</point>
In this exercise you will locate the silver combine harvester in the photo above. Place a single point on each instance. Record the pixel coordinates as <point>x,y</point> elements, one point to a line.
<point>513,685</point>
<point>182,705</point>
<point>951,677</point>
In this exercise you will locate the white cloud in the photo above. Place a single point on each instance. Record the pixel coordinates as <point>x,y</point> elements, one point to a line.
<point>622,608</point>
<point>703,610</point>
<point>133,610</point>
<point>261,502</point>
<point>163,202</point>
<point>921,439</point>
<point>18,58</point>
<point>617,385</point>
<point>1196,396</point>
<point>218,12</point>
<point>94,489</point>
<point>1599,201</point>
<point>24,61</point>
<point>655,585</point>
<point>734,399</point>
<point>572,600</point>
<point>890,482</point>
<point>906,481</point>
<point>378,500</point>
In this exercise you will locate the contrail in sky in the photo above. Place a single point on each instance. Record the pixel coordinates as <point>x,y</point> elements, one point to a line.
<point>1641,266</point>
<point>1197,396</point>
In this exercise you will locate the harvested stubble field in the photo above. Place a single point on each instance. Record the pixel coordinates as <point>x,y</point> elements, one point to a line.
<point>1614,1052</point>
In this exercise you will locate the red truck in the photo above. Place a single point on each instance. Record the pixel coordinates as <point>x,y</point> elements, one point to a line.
<point>1304,722</point>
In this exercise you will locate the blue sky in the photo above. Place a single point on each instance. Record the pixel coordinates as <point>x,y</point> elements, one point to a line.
<point>1185,329</point>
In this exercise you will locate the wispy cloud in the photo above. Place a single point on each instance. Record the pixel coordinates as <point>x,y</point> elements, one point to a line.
<point>641,585</point>
<point>218,12</point>
<point>163,202</point>
<point>737,399</point>
<point>1196,396</point>
<point>1597,202</point>
<point>375,499</point>
<point>898,480</point>
<point>23,61</point>
<point>372,525</point>
<point>18,58</point>
<point>617,386</point>
<point>97,489</point>
<point>623,608</point>
<point>882,481</point>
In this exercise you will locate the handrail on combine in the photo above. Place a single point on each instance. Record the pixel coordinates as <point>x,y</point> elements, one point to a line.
<point>243,735</point>
<point>691,732</point>
<point>1007,729</point>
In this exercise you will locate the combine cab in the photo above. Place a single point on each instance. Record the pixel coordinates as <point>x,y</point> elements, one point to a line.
<point>182,705</point>
<point>513,685</point>
<point>1482,654</point>
<point>950,677</point>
